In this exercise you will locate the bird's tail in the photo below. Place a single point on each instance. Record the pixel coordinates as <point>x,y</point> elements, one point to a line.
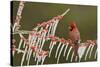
<point>76,50</point>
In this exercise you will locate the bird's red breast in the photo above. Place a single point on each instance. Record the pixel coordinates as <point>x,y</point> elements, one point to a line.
<point>74,33</point>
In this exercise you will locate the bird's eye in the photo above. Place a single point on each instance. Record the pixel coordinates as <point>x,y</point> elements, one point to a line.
<point>70,28</point>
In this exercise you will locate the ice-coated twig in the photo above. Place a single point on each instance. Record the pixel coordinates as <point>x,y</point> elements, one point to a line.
<point>57,49</point>
<point>66,12</point>
<point>68,53</point>
<point>18,17</point>
<point>20,51</point>
<point>21,31</point>
<point>14,26</point>
<point>88,51</point>
<point>60,53</point>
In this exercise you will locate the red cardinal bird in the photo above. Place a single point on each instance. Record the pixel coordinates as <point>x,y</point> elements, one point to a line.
<point>74,35</point>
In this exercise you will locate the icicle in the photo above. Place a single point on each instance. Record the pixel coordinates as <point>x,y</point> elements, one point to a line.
<point>57,49</point>
<point>55,26</point>
<point>44,55</point>
<point>37,62</point>
<point>36,56</point>
<point>36,53</point>
<point>30,38</point>
<point>50,28</point>
<point>76,58</point>
<point>29,57</point>
<point>34,37</point>
<point>65,49</point>
<point>43,58</point>
<point>72,56</point>
<point>13,49</point>
<point>53,43</point>
<point>33,54</point>
<point>60,53</point>
<point>37,43</point>
<point>39,38</point>
<point>91,51</point>
<point>51,50</point>
<point>20,43</point>
<point>39,58</point>
<point>28,51</point>
<point>87,51</point>
<point>13,52</point>
<point>68,53</point>
<point>43,39</point>
<point>23,57</point>
<point>32,43</point>
<point>50,45</point>
<point>95,55</point>
<point>24,44</point>
<point>40,43</point>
